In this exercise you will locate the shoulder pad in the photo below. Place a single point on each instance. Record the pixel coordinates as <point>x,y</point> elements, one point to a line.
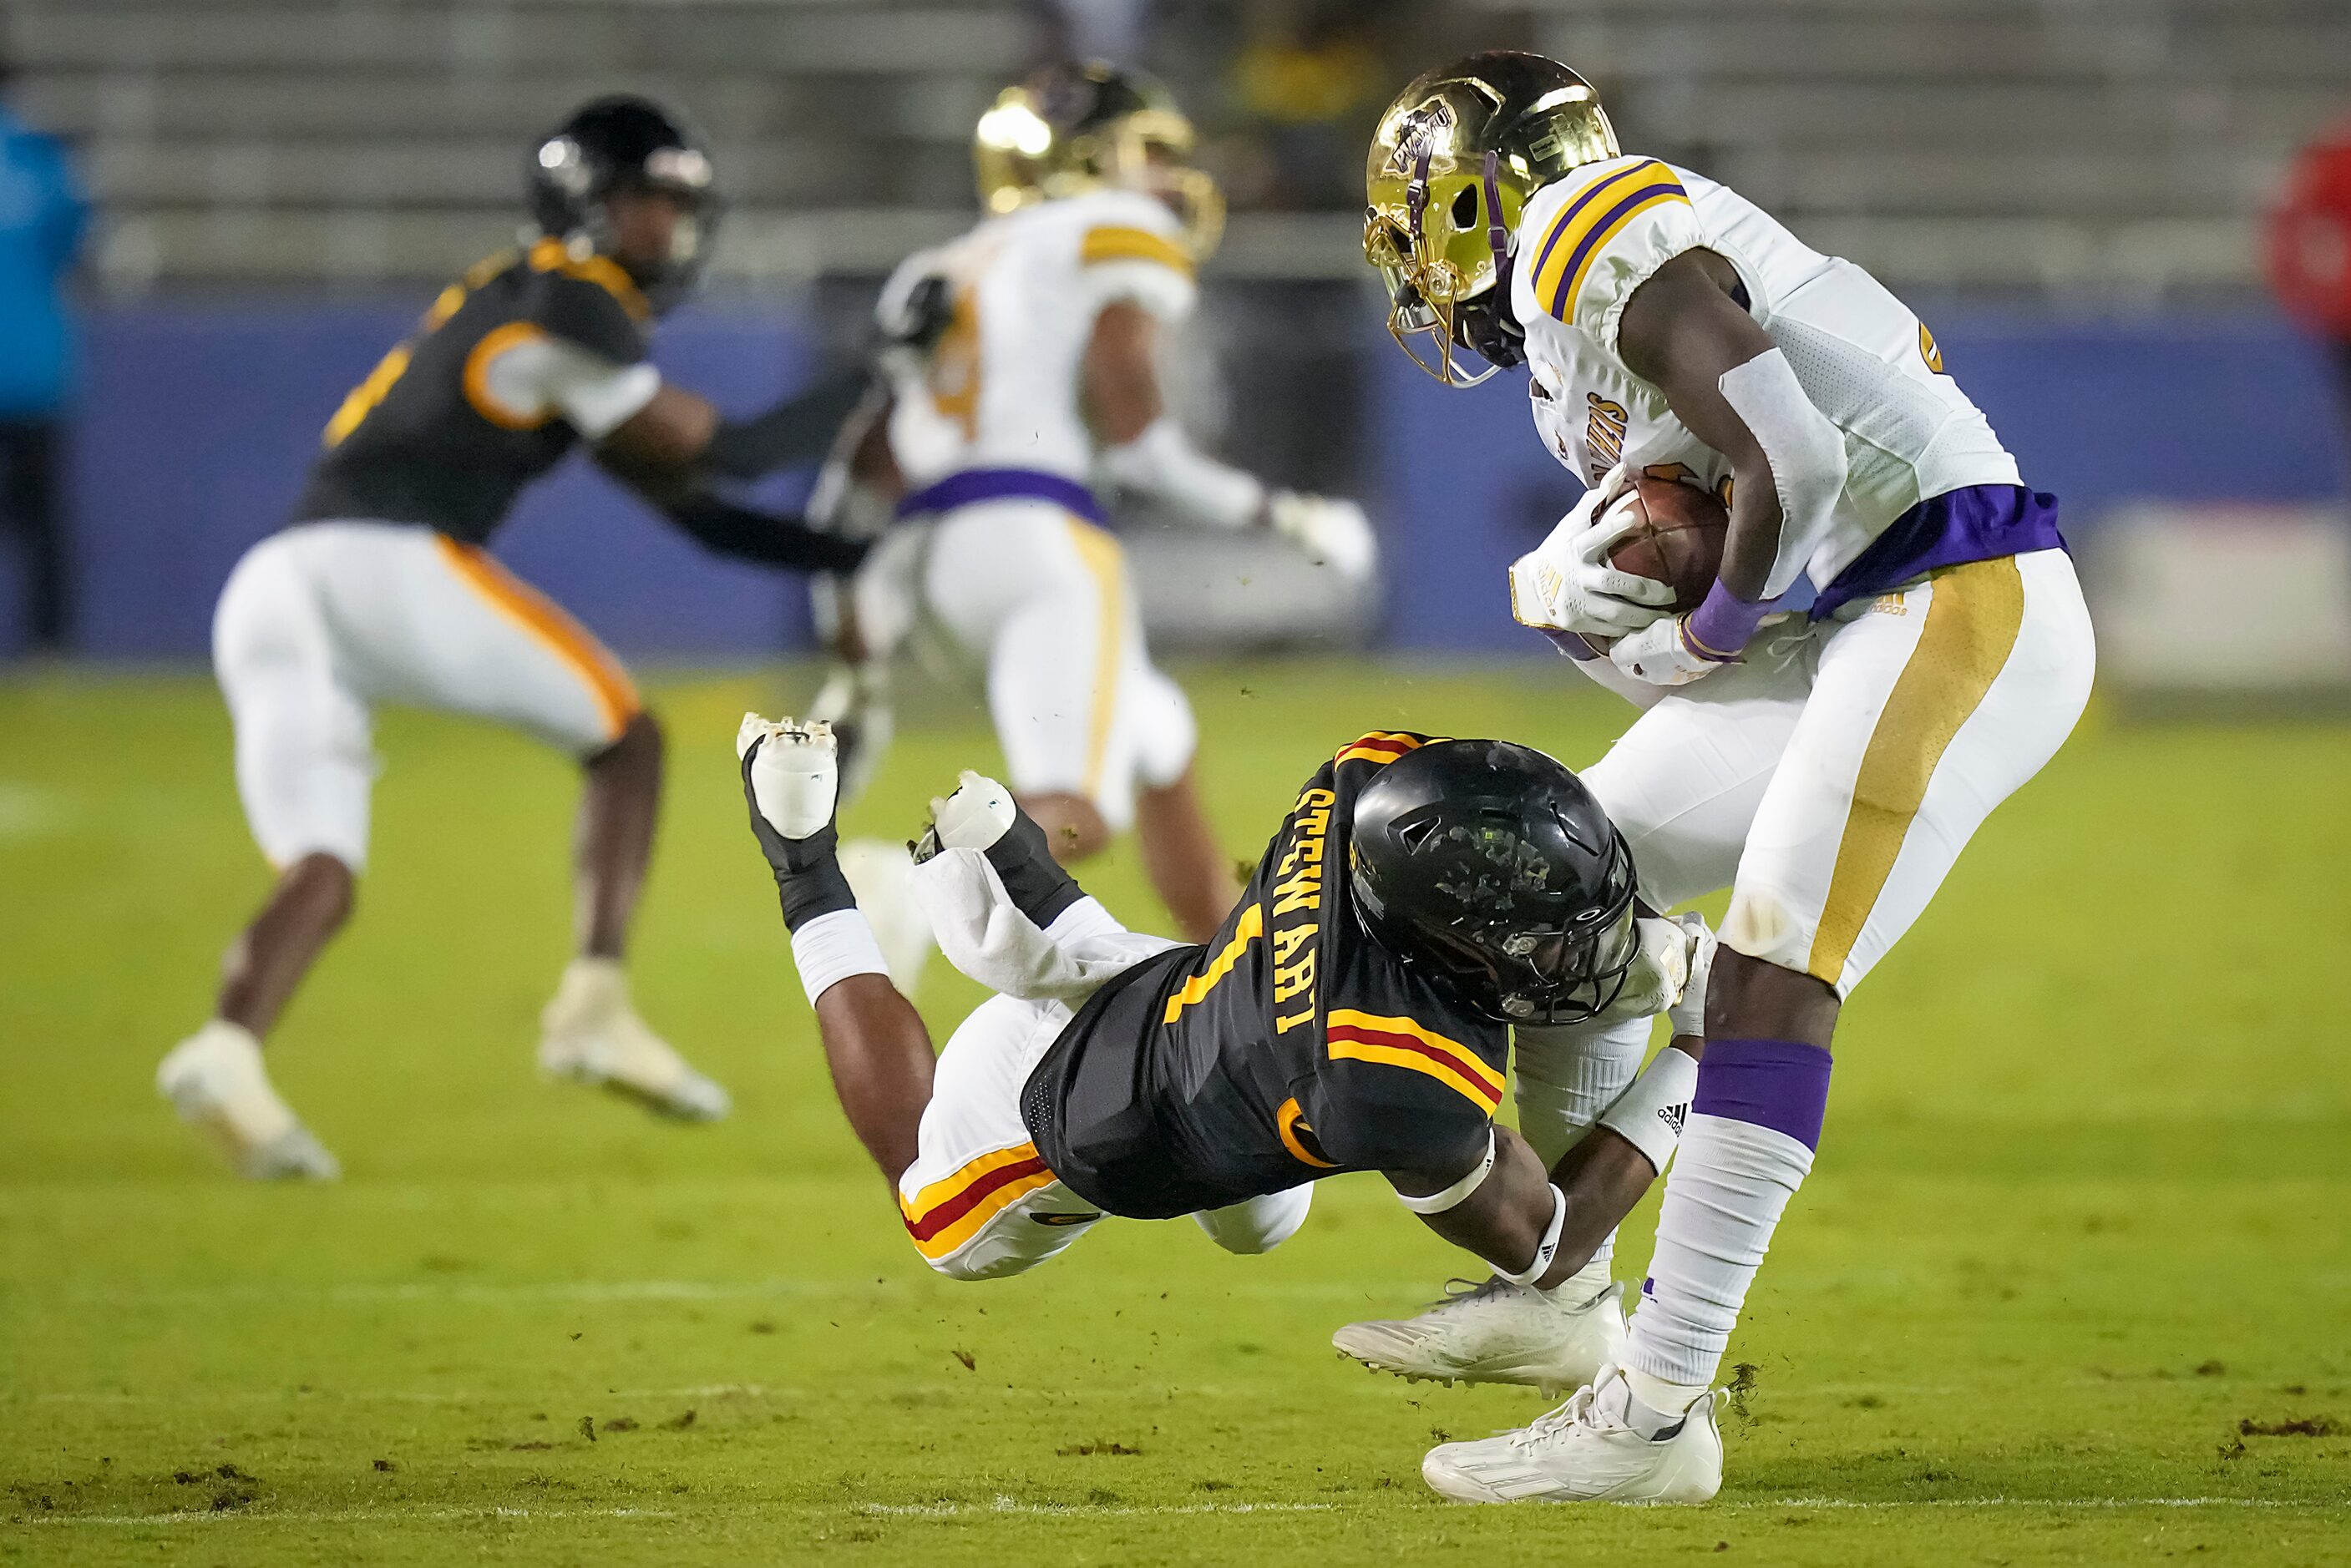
<point>1602,235</point>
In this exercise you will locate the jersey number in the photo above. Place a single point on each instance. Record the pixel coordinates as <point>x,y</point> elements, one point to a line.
<point>955,364</point>
<point>363,398</point>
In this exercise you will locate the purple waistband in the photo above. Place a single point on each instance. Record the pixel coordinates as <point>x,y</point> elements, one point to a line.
<point>1978,522</point>
<point>1782,1085</point>
<point>975,484</point>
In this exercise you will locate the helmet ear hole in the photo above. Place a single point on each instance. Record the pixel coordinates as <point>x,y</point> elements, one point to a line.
<point>1465,208</point>
<point>1414,831</point>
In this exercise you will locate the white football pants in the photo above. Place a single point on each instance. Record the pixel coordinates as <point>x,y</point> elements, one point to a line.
<point>320,623</point>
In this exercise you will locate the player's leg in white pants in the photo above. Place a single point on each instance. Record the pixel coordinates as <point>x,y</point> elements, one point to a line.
<point>978,1202</point>
<point>1928,708</point>
<point>1091,731</point>
<point>1258,1225</point>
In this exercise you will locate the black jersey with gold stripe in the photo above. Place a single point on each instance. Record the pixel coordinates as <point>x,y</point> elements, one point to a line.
<point>420,440</point>
<point>1289,1048</point>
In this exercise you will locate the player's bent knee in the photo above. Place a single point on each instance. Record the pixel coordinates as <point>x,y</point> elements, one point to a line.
<point>638,748</point>
<point>1074,826</point>
<point>1259,1224</point>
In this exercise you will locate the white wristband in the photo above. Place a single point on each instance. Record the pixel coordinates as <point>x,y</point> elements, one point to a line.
<point>1458,1193</point>
<point>1550,1247</point>
<point>1649,1114</point>
<point>832,948</point>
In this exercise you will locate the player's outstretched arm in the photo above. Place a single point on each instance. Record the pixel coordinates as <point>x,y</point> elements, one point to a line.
<point>1144,449</point>
<point>682,432</point>
<point>1532,1231</point>
<point>769,539</point>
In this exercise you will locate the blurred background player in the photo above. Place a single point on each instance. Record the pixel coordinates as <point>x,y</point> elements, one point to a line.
<point>381,591</point>
<point>1930,650</point>
<point>1352,1014</point>
<point>1025,382</point>
<point>2309,254</point>
<point>43,219</point>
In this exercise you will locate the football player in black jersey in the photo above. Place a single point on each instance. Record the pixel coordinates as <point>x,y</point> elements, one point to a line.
<point>1421,899</point>
<point>381,591</point>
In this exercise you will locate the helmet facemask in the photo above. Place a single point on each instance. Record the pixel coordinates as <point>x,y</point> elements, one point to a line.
<point>1431,294</point>
<point>1514,972</point>
<point>1452,166</point>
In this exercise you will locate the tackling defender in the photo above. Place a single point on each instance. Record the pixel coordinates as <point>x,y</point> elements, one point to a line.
<point>381,591</point>
<point>1025,378</point>
<point>1895,644</point>
<point>1420,899</point>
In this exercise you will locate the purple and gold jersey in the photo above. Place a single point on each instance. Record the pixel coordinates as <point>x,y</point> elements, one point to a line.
<point>1289,1048</point>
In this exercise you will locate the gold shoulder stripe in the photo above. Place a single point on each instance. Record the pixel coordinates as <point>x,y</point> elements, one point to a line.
<point>1114,243</point>
<point>1583,230</point>
<point>548,255</point>
<point>1247,929</point>
<point>1349,1035</point>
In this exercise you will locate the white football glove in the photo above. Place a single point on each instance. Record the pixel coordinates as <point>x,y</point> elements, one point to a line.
<point>1565,583</point>
<point>1659,654</point>
<point>1688,1014</point>
<point>1331,532</point>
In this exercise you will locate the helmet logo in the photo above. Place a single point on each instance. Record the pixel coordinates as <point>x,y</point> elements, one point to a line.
<point>1421,133</point>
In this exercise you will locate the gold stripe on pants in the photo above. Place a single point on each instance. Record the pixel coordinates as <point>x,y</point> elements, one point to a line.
<point>1972,620</point>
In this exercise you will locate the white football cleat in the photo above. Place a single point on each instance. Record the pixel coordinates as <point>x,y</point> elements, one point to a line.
<point>215,1079</point>
<point>1501,1333</point>
<point>1591,1450</point>
<point>593,1035</point>
<point>796,777</point>
<point>881,877</point>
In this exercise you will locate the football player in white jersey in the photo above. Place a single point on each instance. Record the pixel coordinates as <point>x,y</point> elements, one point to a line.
<point>1895,643</point>
<point>1025,381</point>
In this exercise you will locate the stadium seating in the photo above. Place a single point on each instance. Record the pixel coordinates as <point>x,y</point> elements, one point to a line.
<point>2100,145</point>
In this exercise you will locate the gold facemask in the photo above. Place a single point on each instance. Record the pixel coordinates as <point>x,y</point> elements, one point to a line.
<point>1093,127</point>
<point>1453,164</point>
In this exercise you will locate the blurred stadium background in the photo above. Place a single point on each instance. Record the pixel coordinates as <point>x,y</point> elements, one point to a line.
<point>2070,190</point>
<point>533,1328</point>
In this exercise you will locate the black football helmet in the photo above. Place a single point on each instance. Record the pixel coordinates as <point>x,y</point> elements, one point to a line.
<point>620,143</point>
<point>1490,867</point>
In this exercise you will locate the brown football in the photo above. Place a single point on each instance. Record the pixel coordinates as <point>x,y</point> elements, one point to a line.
<point>1678,542</point>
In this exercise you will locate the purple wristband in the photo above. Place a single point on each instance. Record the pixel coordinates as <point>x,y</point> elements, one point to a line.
<point>1720,627</point>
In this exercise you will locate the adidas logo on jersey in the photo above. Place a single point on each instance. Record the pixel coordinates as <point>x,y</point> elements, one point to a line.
<point>1674,1117</point>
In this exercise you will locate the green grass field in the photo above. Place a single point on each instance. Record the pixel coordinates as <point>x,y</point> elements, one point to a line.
<point>2074,1254</point>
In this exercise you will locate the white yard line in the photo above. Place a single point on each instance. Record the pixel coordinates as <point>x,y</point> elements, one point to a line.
<point>1016,1507</point>
<point>484,1292</point>
<point>341,1515</point>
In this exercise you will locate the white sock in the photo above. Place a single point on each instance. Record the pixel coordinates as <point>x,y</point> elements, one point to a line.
<point>1568,1074</point>
<point>832,948</point>
<point>1724,1197</point>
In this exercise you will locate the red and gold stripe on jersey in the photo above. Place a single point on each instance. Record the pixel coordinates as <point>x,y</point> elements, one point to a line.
<point>1381,746</point>
<point>1351,1036</point>
<point>947,1214</point>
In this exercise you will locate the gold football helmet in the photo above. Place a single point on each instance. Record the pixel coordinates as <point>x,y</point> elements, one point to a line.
<point>1454,162</point>
<point>1073,128</point>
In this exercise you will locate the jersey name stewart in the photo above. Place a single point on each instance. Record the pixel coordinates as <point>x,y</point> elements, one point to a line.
<point>1289,1048</point>
<point>421,440</point>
